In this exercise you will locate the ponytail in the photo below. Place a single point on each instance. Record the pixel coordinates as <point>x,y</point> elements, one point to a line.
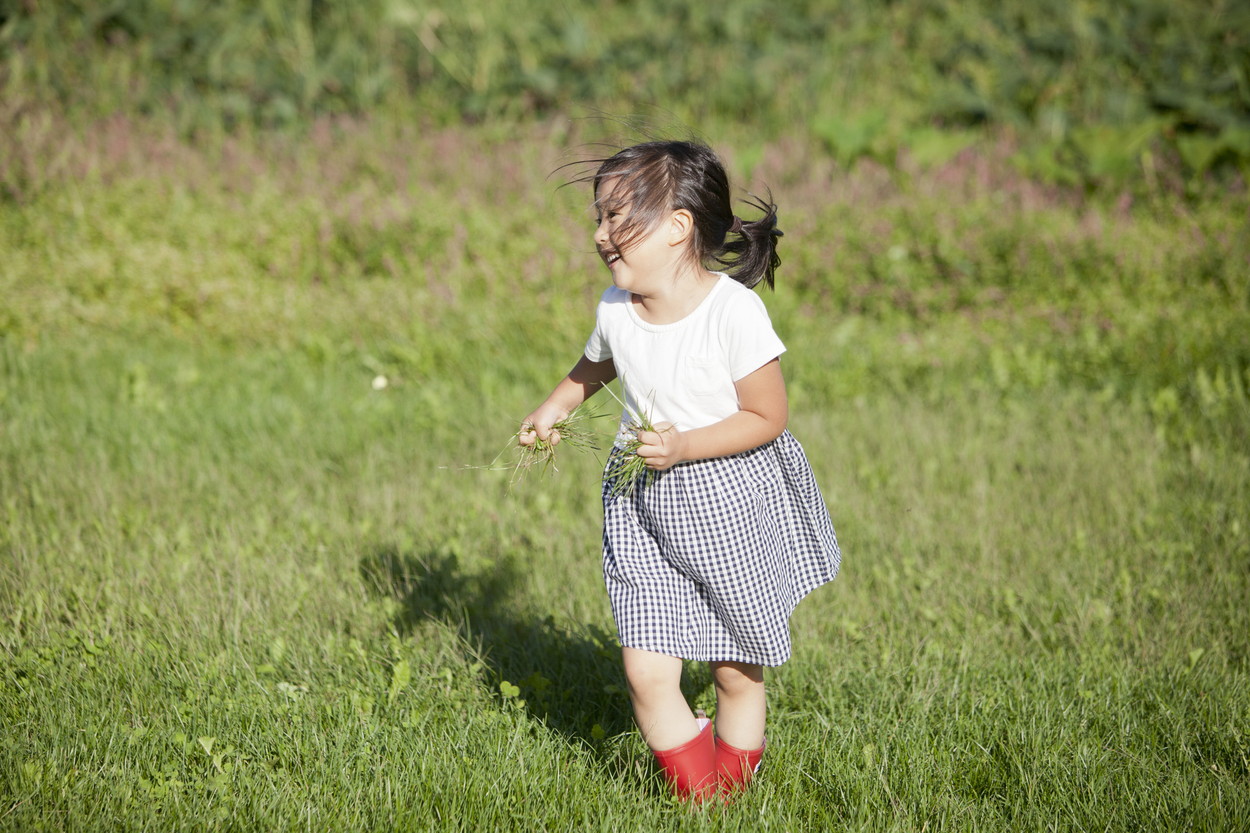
<point>749,253</point>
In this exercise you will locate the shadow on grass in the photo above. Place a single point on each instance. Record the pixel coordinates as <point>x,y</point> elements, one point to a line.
<point>570,678</point>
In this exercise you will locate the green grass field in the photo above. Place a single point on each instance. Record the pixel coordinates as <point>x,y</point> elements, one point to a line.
<point>253,576</point>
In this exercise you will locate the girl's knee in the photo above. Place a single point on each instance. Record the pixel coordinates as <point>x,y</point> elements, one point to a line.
<point>734,677</point>
<point>647,673</point>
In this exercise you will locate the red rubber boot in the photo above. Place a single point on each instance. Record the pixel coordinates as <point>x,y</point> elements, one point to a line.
<point>735,767</point>
<point>690,769</point>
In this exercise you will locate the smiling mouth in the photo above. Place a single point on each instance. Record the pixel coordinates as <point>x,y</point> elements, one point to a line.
<point>610,258</point>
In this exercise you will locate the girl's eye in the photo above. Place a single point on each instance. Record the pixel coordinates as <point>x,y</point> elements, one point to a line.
<point>612,215</point>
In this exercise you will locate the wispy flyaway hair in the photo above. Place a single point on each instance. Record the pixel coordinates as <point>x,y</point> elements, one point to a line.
<point>657,177</point>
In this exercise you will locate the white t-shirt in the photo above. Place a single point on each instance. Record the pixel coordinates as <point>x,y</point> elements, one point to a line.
<point>684,372</point>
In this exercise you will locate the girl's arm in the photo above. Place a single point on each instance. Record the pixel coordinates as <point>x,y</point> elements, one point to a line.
<point>583,381</point>
<point>763,412</point>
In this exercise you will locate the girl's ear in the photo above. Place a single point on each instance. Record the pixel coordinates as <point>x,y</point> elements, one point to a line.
<point>680,227</point>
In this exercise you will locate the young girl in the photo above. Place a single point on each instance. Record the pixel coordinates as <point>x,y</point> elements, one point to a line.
<point>706,559</point>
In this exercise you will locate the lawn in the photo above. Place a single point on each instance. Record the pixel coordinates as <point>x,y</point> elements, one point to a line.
<point>257,570</point>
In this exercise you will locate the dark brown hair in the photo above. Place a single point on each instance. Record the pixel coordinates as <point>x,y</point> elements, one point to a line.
<point>662,176</point>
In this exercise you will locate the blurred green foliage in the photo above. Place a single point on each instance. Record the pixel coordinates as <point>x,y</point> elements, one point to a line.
<point>1099,91</point>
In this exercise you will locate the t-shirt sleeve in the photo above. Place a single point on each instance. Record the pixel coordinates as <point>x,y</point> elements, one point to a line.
<point>748,335</point>
<point>598,349</point>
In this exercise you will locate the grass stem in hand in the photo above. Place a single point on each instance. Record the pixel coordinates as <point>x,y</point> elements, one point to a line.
<point>626,471</point>
<point>573,431</point>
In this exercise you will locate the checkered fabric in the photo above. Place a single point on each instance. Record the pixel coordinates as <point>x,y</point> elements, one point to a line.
<point>709,560</point>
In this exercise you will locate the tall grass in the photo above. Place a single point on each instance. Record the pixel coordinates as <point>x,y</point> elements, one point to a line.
<point>242,586</point>
<point>1104,92</point>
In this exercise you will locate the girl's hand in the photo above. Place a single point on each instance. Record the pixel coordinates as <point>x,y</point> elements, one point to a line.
<point>662,448</point>
<point>537,426</point>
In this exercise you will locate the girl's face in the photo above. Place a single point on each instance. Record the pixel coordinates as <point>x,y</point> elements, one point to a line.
<point>650,259</point>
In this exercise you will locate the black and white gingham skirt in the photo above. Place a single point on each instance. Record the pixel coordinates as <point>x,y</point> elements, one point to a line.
<point>709,560</point>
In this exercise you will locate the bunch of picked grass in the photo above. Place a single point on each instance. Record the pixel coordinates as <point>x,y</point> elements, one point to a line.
<point>572,431</point>
<point>626,472</point>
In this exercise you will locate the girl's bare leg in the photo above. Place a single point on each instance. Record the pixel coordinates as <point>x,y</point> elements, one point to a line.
<point>663,716</point>
<point>740,703</point>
